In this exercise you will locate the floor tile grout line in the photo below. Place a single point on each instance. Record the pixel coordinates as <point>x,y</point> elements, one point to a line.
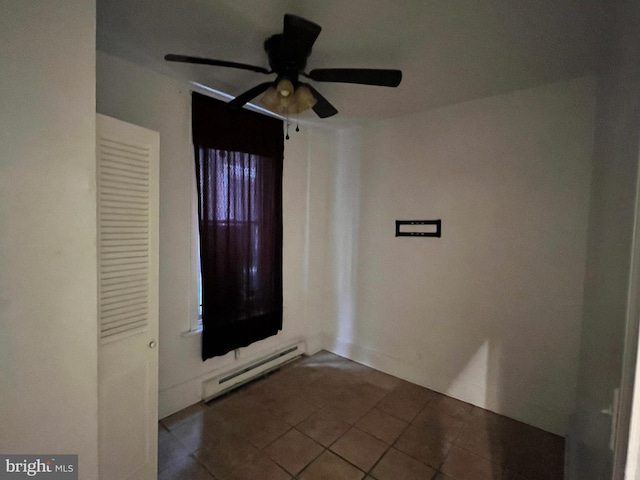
<point>388,446</point>
<point>409,424</point>
<point>195,457</point>
<point>393,445</point>
<point>346,460</point>
<point>310,461</point>
<point>357,382</point>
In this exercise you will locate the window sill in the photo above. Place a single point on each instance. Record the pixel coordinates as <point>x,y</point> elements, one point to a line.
<point>192,333</point>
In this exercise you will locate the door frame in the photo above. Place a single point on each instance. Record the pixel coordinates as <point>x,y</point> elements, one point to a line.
<point>626,453</point>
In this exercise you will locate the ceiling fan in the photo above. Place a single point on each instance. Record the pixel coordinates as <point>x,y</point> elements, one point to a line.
<point>288,53</point>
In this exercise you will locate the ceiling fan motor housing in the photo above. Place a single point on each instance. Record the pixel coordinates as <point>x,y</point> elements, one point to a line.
<point>288,53</point>
<point>285,67</point>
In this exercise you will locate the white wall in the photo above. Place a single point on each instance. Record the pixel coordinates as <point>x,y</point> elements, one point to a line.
<point>612,306</point>
<point>309,163</point>
<point>141,96</point>
<point>489,313</point>
<point>48,272</point>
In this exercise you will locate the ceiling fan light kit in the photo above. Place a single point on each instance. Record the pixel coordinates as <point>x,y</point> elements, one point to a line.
<point>285,88</point>
<point>288,53</point>
<point>304,99</point>
<point>287,101</point>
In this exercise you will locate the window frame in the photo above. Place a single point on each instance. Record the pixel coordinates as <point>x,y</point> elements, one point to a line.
<point>195,290</point>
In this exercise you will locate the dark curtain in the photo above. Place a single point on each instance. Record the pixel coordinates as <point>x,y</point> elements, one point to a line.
<point>239,176</point>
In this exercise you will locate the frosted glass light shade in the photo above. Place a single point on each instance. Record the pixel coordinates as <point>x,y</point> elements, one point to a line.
<point>270,98</point>
<point>285,88</point>
<point>304,99</point>
<point>293,102</point>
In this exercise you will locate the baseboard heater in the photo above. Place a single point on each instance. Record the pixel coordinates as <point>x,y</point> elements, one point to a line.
<point>238,376</point>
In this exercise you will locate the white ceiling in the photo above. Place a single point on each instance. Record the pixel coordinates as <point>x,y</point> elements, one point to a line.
<point>450,51</point>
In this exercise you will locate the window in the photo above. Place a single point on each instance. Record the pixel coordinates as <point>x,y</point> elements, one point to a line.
<point>195,317</point>
<point>239,182</point>
<point>232,173</point>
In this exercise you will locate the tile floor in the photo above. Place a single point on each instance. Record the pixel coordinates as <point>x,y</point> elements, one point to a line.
<point>327,418</point>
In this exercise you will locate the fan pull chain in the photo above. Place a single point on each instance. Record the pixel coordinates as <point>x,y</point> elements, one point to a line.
<point>287,120</point>
<point>297,122</point>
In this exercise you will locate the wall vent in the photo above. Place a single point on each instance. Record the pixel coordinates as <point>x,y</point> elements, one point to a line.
<point>238,376</point>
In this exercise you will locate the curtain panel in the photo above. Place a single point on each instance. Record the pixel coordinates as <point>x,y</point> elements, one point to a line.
<point>239,156</point>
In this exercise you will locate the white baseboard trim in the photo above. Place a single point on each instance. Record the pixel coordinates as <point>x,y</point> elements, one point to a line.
<point>181,396</point>
<point>178,397</point>
<point>315,343</point>
<point>530,413</point>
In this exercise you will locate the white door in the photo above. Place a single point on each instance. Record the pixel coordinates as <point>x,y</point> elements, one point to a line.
<point>127,186</point>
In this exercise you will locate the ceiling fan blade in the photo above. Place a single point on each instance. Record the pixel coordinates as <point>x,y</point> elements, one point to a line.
<point>298,36</point>
<point>216,63</point>
<point>363,76</point>
<point>250,94</point>
<point>322,107</point>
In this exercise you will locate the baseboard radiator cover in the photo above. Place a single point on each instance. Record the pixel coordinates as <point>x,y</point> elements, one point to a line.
<point>234,378</point>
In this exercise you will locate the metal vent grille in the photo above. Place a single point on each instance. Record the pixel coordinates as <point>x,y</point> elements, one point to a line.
<point>123,236</point>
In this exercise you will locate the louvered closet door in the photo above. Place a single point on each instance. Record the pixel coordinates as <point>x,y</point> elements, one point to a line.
<point>127,188</point>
